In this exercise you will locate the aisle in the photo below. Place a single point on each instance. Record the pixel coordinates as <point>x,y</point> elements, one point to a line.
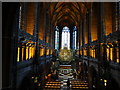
<point>66,73</point>
<point>62,85</point>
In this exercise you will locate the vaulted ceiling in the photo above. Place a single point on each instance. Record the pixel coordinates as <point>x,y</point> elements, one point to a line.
<point>67,13</point>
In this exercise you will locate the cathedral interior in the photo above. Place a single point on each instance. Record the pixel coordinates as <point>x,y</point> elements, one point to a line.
<point>61,45</point>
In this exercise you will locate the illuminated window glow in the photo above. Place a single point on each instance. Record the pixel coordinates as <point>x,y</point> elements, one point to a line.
<point>26,53</point>
<point>18,54</point>
<point>57,38</point>
<point>80,52</point>
<point>47,53</point>
<point>94,53</point>
<point>20,17</point>
<point>42,52</point>
<point>111,54</point>
<point>65,38</point>
<point>74,38</point>
<point>108,53</point>
<point>117,52</point>
<point>30,53</point>
<point>85,52</point>
<point>51,51</point>
<point>22,53</point>
<point>91,52</point>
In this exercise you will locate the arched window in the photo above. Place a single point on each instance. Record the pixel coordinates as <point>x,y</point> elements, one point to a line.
<point>74,38</point>
<point>65,37</point>
<point>57,38</point>
<point>20,11</point>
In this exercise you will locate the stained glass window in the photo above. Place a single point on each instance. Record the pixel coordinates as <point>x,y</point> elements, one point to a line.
<point>57,38</point>
<point>74,38</point>
<point>20,16</point>
<point>65,37</point>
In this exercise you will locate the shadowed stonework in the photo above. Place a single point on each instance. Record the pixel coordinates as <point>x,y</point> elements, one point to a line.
<point>61,45</point>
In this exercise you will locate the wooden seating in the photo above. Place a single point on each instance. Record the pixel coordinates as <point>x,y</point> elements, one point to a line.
<point>53,85</point>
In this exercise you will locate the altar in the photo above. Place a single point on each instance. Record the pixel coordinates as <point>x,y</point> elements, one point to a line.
<point>65,72</point>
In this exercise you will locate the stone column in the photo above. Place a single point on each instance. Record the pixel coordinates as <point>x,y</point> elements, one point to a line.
<point>83,42</point>
<point>24,56</point>
<point>53,37</point>
<point>60,39</point>
<point>101,32</point>
<point>23,15</point>
<point>101,39</point>
<point>119,16</point>
<point>78,41</point>
<point>44,39</point>
<point>20,56</point>
<point>81,35</point>
<point>119,49</point>
<point>28,52</point>
<point>114,52</point>
<point>119,29</point>
<point>49,36</point>
<point>45,33</point>
<point>89,20</point>
<point>10,26</point>
<point>36,29</point>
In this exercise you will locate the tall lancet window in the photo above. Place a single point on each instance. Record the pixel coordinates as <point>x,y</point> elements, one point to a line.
<point>65,38</point>
<point>20,10</point>
<point>74,38</point>
<point>57,38</point>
